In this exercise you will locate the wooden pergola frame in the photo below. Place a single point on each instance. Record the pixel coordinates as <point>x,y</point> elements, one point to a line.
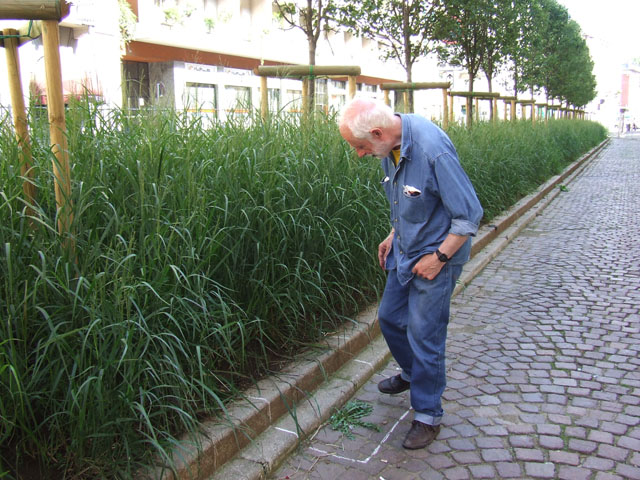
<point>49,12</point>
<point>491,96</point>
<point>304,72</point>
<point>406,87</point>
<point>511,101</point>
<point>524,103</point>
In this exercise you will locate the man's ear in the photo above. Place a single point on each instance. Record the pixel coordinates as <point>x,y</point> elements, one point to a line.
<point>376,133</point>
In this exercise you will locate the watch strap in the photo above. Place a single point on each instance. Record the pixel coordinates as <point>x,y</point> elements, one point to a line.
<point>441,256</point>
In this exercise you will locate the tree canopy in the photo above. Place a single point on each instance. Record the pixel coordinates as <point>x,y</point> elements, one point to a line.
<point>535,40</point>
<point>404,28</point>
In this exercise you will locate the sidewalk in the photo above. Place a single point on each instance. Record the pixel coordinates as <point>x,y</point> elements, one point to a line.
<point>543,354</point>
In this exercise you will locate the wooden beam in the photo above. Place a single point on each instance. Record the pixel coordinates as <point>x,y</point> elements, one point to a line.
<point>475,94</point>
<point>414,86</point>
<point>298,71</point>
<point>33,9</point>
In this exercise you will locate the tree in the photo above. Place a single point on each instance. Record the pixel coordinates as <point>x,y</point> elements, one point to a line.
<point>505,30</point>
<point>312,19</point>
<point>524,50</point>
<point>404,28</point>
<point>464,29</point>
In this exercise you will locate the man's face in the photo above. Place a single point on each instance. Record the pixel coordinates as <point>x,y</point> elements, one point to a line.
<point>363,147</point>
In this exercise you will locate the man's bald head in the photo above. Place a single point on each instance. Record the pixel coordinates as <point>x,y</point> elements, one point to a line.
<point>371,128</point>
<point>361,115</point>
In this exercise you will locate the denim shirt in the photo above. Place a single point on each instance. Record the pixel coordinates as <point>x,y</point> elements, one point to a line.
<point>430,196</point>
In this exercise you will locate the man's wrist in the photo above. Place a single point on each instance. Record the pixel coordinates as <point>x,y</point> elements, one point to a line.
<point>442,257</point>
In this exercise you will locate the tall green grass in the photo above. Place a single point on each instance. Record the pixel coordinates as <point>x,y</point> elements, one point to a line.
<point>508,160</point>
<point>202,256</point>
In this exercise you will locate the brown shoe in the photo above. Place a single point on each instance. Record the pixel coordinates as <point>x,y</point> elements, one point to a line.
<point>420,435</point>
<point>393,385</point>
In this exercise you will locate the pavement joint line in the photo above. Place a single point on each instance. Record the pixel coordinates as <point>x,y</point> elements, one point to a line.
<point>287,431</point>
<point>361,361</point>
<point>204,465</point>
<point>375,450</point>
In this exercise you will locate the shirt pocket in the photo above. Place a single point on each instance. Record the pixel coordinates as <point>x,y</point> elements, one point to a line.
<point>386,185</point>
<point>412,204</point>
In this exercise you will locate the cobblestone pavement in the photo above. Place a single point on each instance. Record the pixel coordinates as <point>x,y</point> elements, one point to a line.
<point>543,355</point>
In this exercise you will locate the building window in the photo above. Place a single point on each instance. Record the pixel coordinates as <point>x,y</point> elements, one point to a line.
<point>202,101</point>
<point>238,101</point>
<point>273,97</point>
<point>293,101</point>
<point>322,98</point>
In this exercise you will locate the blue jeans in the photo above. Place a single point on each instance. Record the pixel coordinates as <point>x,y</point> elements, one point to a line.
<point>413,319</point>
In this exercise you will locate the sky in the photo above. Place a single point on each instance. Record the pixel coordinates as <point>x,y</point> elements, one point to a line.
<point>613,30</point>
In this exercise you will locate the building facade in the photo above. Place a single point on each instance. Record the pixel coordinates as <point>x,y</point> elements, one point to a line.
<point>196,55</point>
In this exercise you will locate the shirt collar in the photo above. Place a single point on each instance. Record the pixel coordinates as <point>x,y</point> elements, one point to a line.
<point>405,146</point>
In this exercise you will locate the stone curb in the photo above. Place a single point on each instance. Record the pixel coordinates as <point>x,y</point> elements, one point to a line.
<point>255,435</point>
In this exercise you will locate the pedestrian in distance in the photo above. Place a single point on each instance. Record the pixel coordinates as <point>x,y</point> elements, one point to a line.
<point>434,213</point>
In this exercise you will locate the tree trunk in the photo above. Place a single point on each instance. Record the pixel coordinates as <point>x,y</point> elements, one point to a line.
<point>470,99</point>
<point>407,53</point>
<point>313,43</point>
<point>490,82</point>
<point>311,80</point>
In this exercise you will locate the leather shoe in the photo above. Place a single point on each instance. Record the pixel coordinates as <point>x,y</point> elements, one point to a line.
<point>393,385</point>
<point>420,435</point>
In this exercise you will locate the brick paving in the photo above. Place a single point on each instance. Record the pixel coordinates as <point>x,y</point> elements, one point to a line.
<point>543,355</point>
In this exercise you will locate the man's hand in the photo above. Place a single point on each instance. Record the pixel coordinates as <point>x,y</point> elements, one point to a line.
<point>428,266</point>
<point>383,250</point>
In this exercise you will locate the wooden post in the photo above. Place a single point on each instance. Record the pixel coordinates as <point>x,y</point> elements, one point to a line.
<point>495,110</point>
<point>445,109</point>
<point>305,96</point>
<point>264,98</point>
<point>387,100</point>
<point>352,86</point>
<point>58,130</point>
<point>20,117</point>
<point>533,113</point>
<point>405,100</point>
<point>477,104</point>
<point>451,117</point>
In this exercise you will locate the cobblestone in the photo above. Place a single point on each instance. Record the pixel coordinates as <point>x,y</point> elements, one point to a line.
<point>543,355</point>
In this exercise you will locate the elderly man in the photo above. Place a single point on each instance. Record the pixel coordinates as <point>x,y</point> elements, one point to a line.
<point>434,212</point>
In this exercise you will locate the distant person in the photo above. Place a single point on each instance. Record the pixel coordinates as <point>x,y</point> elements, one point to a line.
<point>434,212</point>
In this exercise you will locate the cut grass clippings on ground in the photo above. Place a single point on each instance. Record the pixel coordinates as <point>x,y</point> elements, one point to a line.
<point>348,417</point>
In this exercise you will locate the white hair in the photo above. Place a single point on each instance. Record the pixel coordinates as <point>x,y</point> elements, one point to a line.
<point>360,116</point>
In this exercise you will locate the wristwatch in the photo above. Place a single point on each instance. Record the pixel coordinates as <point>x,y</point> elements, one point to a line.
<point>442,257</point>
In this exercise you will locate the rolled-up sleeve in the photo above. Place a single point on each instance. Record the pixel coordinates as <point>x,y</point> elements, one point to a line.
<point>458,195</point>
